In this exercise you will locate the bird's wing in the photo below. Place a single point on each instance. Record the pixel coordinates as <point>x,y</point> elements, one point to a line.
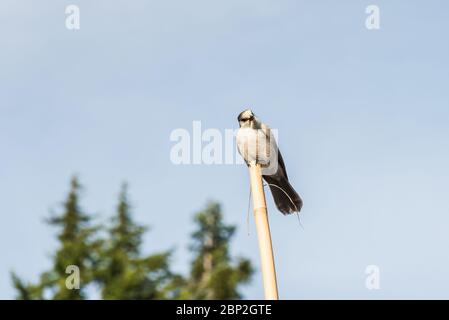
<point>281,164</point>
<point>268,134</point>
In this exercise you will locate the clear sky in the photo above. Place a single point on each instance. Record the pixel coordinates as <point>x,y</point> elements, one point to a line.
<point>363,120</point>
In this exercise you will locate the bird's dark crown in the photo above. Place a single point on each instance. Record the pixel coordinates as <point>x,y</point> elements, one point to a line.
<point>246,115</point>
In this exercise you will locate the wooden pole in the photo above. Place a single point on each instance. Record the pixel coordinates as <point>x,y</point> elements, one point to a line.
<point>263,233</point>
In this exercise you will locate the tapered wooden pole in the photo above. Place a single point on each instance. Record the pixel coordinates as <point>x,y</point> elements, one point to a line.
<point>263,233</point>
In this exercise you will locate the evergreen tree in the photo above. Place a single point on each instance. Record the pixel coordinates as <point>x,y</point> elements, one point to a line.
<point>116,264</point>
<point>124,274</point>
<point>214,275</point>
<point>27,291</point>
<point>77,248</point>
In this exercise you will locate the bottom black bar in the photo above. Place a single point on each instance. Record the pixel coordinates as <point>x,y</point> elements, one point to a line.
<point>245,309</point>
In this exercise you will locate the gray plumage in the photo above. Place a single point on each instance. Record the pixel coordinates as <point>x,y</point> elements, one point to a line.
<point>256,143</point>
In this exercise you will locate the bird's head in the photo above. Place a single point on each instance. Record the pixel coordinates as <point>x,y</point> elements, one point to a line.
<point>247,118</point>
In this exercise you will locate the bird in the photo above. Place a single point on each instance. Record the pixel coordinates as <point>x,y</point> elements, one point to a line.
<point>256,143</point>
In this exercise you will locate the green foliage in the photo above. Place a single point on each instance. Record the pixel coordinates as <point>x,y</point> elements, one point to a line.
<point>26,291</point>
<point>123,274</point>
<point>214,275</point>
<point>77,246</point>
<point>111,258</point>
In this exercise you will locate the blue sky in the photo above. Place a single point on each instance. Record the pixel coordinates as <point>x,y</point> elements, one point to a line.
<point>362,118</point>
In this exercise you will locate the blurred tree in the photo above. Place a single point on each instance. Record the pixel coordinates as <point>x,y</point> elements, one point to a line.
<point>124,273</point>
<point>77,247</point>
<point>26,291</point>
<point>114,262</point>
<point>213,273</point>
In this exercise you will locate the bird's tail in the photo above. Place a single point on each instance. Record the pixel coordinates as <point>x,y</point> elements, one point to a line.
<point>285,197</point>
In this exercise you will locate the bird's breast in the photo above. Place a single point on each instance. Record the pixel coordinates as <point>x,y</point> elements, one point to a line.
<point>253,145</point>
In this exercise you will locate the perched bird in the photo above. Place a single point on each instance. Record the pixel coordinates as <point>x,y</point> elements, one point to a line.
<point>256,143</point>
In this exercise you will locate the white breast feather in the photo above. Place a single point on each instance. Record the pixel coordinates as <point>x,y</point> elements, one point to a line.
<point>252,145</point>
